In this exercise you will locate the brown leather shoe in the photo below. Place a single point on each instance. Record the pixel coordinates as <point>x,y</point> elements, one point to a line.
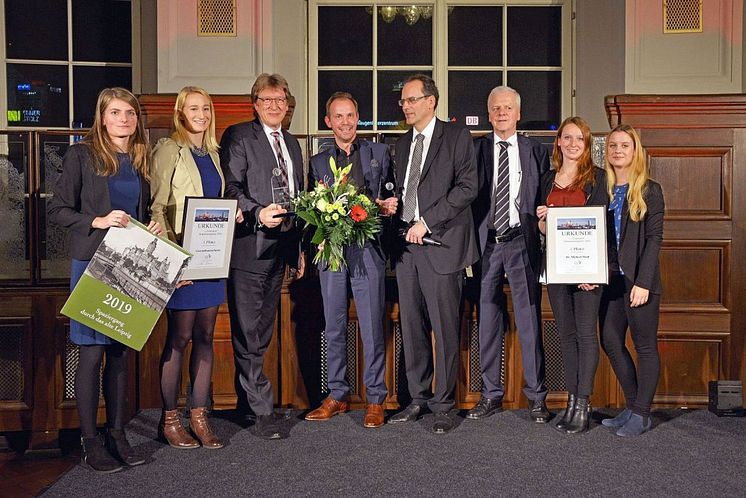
<point>328,409</point>
<point>201,428</point>
<point>373,416</point>
<point>171,431</point>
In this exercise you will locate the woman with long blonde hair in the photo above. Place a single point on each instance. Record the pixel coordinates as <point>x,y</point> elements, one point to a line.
<point>104,183</point>
<point>187,165</point>
<point>633,295</point>
<point>574,181</point>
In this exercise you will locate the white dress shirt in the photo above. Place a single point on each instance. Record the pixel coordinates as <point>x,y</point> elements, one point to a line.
<point>428,133</point>
<point>514,165</point>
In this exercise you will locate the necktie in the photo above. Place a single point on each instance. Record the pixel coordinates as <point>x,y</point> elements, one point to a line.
<point>287,223</point>
<point>502,191</point>
<point>410,199</point>
<point>282,166</point>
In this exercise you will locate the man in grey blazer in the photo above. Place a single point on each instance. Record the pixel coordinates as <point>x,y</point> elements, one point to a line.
<point>435,166</point>
<point>510,167</point>
<point>260,160</point>
<point>366,266</point>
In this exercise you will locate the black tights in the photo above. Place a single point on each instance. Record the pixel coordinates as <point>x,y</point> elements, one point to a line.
<point>183,326</point>
<point>115,386</point>
<point>576,314</point>
<point>639,384</point>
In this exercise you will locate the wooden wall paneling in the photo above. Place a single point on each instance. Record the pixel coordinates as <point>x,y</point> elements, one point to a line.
<point>224,370</point>
<point>677,111</point>
<point>148,377</point>
<point>222,388</point>
<point>695,275</point>
<point>394,356</point>
<point>44,428</point>
<point>301,326</point>
<point>698,180</point>
<point>16,371</point>
<point>688,362</point>
<point>736,272</point>
<point>468,389</point>
<point>355,358</point>
<point>65,366</point>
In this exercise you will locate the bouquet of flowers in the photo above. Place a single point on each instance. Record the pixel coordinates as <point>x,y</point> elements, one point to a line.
<point>339,214</point>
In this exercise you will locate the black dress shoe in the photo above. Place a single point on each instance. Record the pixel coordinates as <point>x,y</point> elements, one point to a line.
<point>267,428</point>
<point>443,423</point>
<point>537,410</point>
<point>409,414</point>
<point>484,408</point>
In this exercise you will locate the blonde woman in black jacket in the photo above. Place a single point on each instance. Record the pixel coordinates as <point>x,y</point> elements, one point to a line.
<point>634,293</point>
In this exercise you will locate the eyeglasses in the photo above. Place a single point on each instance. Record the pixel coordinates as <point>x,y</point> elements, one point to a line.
<point>280,101</point>
<point>411,100</point>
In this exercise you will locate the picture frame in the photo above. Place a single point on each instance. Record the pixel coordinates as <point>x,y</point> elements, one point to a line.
<point>576,245</point>
<point>209,226</point>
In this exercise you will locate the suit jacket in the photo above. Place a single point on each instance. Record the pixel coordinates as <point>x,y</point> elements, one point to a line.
<point>81,195</point>
<point>534,163</point>
<point>247,159</point>
<point>175,176</point>
<point>448,185</point>
<point>640,241</point>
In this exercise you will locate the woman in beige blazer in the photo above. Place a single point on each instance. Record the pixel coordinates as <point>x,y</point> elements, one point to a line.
<point>187,164</point>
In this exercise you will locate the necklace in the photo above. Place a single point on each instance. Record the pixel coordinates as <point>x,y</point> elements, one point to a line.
<point>200,151</point>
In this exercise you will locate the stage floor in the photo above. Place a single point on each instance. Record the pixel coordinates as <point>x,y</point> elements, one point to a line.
<point>688,453</point>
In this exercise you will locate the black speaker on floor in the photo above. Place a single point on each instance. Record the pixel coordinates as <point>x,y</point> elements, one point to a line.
<point>726,398</point>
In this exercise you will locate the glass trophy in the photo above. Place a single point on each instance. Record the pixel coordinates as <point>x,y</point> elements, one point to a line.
<point>280,189</point>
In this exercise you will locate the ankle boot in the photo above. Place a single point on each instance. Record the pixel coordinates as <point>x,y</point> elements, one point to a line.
<point>636,425</point>
<point>96,458</point>
<point>581,417</point>
<point>171,431</point>
<point>563,422</point>
<point>201,428</point>
<point>119,447</point>
<point>619,420</point>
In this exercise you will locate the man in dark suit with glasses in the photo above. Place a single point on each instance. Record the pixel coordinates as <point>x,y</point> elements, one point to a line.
<point>263,168</point>
<point>435,165</point>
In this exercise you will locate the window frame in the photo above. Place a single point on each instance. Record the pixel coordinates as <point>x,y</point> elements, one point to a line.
<point>134,66</point>
<point>440,67</point>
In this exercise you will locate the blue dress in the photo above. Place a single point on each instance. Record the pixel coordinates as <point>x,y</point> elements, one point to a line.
<point>124,193</point>
<point>202,293</point>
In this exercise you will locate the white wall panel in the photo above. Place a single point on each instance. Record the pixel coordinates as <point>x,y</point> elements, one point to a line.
<point>706,62</point>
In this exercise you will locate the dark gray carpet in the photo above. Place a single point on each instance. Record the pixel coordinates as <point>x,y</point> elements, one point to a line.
<point>689,453</point>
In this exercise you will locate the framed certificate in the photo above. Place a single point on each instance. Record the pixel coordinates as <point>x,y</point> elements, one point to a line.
<point>208,229</point>
<point>576,245</point>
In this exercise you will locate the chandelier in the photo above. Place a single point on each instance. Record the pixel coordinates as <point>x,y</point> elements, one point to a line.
<point>410,13</point>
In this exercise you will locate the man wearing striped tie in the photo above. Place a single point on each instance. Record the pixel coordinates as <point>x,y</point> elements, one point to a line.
<point>510,166</point>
